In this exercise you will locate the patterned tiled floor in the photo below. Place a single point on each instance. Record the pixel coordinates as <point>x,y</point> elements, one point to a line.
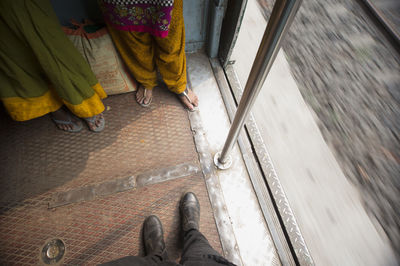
<point>37,161</point>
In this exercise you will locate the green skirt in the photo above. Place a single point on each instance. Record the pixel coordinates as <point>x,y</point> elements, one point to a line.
<point>40,69</point>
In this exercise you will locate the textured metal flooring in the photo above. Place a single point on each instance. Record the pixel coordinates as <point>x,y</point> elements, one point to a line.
<point>37,161</point>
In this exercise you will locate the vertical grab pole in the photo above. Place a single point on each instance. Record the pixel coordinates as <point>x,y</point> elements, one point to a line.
<point>282,16</point>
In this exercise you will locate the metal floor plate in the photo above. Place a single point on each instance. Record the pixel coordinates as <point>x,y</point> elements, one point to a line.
<point>37,161</point>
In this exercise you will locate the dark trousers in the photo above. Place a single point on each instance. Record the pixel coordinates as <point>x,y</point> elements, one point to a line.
<point>196,252</point>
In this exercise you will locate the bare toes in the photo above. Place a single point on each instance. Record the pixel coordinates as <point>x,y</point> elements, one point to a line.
<point>140,94</point>
<point>146,100</point>
<point>196,101</point>
<point>188,104</point>
<point>194,98</point>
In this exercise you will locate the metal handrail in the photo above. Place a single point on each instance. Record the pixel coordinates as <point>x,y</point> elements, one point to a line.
<point>281,18</point>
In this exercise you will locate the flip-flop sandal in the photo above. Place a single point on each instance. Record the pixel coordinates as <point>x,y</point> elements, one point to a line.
<point>185,94</point>
<point>76,126</point>
<point>92,120</point>
<point>144,95</point>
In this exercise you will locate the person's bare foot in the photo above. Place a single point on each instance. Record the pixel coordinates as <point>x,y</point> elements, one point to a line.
<point>144,96</point>
<point>66,121</point>
<point>189,99</point>
<point>95,123</point>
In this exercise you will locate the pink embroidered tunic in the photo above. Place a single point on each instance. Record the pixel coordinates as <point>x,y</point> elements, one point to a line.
<point>152,16</point>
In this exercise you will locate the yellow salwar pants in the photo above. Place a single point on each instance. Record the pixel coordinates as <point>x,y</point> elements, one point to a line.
<point>143,52</point>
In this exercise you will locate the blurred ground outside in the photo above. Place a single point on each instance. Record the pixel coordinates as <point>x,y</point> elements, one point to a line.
<point>349,77</point>
<point>349,74</point>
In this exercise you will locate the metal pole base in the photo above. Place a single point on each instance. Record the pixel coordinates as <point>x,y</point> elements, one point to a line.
<point>220,165</point>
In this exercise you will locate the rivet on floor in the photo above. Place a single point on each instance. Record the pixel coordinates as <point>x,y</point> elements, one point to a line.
<point>53,251</point>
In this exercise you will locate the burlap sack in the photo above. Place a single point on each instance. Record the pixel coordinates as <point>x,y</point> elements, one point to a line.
<point>96,46</point>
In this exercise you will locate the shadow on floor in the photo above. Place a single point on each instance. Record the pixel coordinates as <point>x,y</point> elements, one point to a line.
<point>36,157</point>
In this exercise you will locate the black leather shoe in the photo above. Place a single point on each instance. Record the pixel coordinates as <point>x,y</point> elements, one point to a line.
<point>153,236</point>
<point>190,211</point>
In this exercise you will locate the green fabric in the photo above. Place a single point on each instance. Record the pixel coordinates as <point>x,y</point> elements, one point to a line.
<point>34,51</point>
